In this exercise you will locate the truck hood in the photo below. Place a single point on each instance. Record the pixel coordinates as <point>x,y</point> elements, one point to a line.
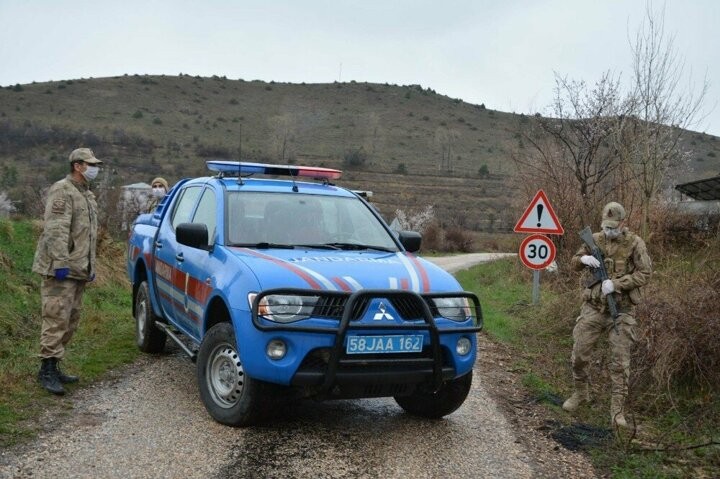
<point>344,270</point>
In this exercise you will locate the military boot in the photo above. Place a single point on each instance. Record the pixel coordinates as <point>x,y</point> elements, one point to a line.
<point>66,378</point>
<point>617,411</point>
<point>581,395</point>
<point>49,378</point>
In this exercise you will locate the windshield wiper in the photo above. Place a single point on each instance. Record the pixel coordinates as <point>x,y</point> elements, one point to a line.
<point>318,246</point>
<point>265,245</point>
<point>358,246</point>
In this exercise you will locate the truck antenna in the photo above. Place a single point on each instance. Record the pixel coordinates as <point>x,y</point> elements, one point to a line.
<point>240,181</point>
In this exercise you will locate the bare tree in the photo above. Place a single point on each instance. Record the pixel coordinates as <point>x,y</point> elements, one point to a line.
<point>283,137</point>
<point>662,109</point>
<point>572,152</point>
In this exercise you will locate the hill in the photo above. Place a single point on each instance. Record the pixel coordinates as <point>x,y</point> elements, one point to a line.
<point>408,144</point>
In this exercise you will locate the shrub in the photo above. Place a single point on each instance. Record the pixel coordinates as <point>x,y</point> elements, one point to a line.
<point>678,347</point>
<point>433,238</point>
<point>355,158</point>
<point>157,121</point>
<point>457,239</point>
<point>137,114</point>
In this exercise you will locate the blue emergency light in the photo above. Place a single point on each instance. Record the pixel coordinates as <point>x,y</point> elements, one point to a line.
<point>225,168</point>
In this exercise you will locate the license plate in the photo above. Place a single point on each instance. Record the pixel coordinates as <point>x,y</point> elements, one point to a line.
<point>384,344</point>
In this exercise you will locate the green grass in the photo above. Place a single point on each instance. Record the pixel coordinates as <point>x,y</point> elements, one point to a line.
<point>104,340</point>
<point>541,340</point>
<point>499,291</point>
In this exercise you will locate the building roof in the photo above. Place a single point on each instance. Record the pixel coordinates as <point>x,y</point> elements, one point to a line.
<point>706,190</point>
<point>138,186</point>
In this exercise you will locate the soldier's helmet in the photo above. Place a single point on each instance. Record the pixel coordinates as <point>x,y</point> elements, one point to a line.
<point>613,214</point>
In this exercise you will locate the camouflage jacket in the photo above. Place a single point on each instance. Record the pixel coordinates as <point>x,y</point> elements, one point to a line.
<point>69,236</point>
<point>151,204</point>
<point>627,264</point>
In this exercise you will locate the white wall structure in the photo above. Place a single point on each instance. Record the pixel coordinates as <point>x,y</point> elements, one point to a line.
<point>133,201</point>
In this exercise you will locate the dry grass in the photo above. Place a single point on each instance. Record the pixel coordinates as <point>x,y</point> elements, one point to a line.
<point>681,319</point>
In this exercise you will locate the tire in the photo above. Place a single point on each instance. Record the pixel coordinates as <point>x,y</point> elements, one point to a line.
<point>436,405</point>
<point>230,396</point>
<point>149,338</point>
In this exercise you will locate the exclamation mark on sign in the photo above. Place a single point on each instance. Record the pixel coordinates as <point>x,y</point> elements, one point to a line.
<point>539,213</point>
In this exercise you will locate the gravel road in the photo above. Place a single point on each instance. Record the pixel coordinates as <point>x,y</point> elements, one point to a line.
<point>147,421</point>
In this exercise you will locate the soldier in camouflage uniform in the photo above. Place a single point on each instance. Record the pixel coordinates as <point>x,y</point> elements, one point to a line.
<point>629,268</point>
<point>65,258</point>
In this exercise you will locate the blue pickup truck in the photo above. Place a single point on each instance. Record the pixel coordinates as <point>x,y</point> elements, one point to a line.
<point>280,284</point>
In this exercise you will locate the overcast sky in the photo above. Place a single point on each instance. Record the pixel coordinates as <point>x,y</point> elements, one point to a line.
<point>502,53</point>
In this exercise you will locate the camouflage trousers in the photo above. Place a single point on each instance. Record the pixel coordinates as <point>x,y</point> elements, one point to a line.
<point>61,306</point>
<point>590,325</point>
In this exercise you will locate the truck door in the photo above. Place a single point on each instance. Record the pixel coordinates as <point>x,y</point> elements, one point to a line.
<point>195,267</point>
<point>169,280</point>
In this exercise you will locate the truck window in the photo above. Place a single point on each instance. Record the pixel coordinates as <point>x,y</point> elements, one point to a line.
<point>185,205</point>
<point>206,213</point>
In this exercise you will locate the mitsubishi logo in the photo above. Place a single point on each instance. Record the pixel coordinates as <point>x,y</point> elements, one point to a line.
<point>382,314</point>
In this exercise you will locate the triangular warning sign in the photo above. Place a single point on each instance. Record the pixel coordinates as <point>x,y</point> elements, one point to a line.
<point>539,217</point>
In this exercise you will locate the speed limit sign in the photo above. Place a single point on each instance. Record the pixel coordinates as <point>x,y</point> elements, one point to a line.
<point>537,251</point>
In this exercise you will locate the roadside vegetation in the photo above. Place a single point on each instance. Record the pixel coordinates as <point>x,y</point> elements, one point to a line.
<point>675,375</point>
<point>104,340</point>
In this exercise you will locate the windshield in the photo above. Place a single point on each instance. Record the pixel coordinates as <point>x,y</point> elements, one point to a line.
<point>293,219</point>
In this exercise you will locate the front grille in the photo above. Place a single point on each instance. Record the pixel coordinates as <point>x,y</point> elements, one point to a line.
<point>409,308</point>
<point>332,307</point>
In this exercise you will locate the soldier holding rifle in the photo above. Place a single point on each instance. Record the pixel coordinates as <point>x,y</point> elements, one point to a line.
<point>615,264</point>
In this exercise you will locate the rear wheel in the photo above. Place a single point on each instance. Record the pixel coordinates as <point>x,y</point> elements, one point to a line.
<point>230,396</point>
<point>149,338</point>
<point>441,403</point>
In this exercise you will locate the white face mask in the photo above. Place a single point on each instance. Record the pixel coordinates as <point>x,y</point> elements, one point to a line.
<point>158,192</point>
<point>91,172</point>
<point>611,233</point>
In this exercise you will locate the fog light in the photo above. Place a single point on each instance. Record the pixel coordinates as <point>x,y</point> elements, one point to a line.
<point>276,349</point>
<point>463,346</point>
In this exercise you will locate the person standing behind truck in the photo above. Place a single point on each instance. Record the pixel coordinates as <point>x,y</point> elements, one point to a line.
<point>160,188</point>
<point>65,258</point>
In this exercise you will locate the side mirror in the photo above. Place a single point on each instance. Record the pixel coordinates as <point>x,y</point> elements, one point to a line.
<point>410,240</point>
<point>194,235</point>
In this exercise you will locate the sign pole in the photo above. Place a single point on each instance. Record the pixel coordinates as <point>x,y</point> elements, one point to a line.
<point>536,287</point>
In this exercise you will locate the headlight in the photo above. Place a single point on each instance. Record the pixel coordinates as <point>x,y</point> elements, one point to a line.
<point>455,309</point>
<point>284,308</point>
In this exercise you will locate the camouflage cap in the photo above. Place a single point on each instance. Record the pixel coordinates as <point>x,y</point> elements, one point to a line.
<point>84,154</point>
<point>613,214</point>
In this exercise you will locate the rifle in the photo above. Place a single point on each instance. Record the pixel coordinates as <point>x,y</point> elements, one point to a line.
<point>600,273</point>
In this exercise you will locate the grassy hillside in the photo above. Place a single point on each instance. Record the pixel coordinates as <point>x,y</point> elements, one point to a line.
<point>409,145</point>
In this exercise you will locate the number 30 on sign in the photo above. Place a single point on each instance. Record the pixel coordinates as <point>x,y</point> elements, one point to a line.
<point>537,251</point>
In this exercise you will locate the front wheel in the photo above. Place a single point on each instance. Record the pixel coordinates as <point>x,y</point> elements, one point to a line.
<point>148,337</point>
<point>441,403</point>
<point>230,396</point>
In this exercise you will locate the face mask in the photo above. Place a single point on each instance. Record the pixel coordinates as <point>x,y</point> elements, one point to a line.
<point>611,233</point>
<point>158,192</point>
<point>91,172</point>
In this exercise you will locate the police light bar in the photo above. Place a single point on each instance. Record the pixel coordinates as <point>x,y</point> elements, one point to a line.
<point>242,167</point>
